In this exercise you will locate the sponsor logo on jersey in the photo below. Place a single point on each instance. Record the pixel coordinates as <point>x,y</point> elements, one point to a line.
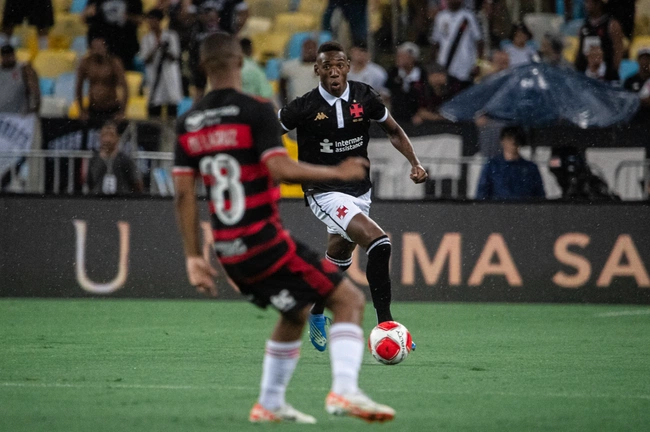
<point>201,119</point>
<point>341,146</point>
<point>341,212</point>
<point>320,116</point>
<point>230,248</point>
<point>326,146</point>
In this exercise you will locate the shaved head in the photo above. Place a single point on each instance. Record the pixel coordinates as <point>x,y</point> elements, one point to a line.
<point>220,52</point>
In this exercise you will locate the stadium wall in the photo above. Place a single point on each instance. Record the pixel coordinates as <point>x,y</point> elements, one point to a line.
<point>543,252</point>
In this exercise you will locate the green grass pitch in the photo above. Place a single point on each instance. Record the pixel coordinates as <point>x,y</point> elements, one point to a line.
<point>124,365</point>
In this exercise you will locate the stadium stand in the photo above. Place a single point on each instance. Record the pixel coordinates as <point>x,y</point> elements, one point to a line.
<point>627,69</point>
<point>570,48</point>
<point>136,108</point>
<point>268,45</point>
<point>46,86</point>
<point>134,81</point>
<point>637,43</point>
<point>294,46</point>
<point>52,63</point>
<point>64,87</point>
<point>293,22</point>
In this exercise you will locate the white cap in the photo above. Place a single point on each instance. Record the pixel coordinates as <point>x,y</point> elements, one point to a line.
<point>643,51</point>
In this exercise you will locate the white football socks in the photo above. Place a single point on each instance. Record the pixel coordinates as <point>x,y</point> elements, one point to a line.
<point>280,361</point>
<point>346,344</point>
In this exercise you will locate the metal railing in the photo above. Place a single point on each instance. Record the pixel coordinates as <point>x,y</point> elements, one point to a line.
<point>60,171</point>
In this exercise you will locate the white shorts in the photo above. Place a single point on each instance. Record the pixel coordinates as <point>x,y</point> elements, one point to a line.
<point>336,210</point>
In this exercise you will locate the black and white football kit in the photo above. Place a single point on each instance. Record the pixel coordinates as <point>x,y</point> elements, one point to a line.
<point>331,129</point>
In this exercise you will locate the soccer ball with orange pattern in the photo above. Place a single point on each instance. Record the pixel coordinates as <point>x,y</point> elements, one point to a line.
<point>390,342</point>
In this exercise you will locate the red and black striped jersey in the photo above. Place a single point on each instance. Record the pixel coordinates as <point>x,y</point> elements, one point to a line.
<point>225,138</point>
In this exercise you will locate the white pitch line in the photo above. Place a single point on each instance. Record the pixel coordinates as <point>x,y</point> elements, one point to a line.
<point>109,385</point>
<point>623,313</point>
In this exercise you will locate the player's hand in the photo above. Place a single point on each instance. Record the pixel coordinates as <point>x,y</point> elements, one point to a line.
<point>418,174</point>
<point>201,275</point>
<point>353,168</point>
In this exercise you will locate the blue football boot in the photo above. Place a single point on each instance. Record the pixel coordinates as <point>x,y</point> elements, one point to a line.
<point>317,330</point>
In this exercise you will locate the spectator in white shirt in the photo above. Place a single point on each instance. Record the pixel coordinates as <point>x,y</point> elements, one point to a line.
<point>519,52</point>
<point>161,51</point>
<point>297,76</point>
<point>457,44</point>
<point>366,71</point>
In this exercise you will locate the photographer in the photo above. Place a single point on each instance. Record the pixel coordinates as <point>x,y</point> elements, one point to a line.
<point>161,53</point>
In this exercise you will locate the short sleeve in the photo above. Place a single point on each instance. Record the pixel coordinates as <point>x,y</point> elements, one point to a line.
<point>184,164</point>
<point>377,111</point>
<point>291,115</point>
<point>267,135</point>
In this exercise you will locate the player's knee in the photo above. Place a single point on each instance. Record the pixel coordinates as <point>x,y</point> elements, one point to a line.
<point>342,264</point>
<point>347,299</point>
<point>296,317</point>
<point>380,247</point>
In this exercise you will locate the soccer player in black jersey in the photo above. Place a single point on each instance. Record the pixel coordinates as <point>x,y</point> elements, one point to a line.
<point>332,123</point>
<point>233,141</point>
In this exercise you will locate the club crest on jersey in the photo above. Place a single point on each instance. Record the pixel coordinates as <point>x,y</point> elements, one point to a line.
<point>356,110</point>
<point>320,116</point>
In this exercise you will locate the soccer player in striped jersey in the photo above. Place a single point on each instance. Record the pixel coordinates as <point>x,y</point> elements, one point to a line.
<point>233,141</point>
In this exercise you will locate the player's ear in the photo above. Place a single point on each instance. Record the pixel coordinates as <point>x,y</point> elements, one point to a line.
<point>316,69</point>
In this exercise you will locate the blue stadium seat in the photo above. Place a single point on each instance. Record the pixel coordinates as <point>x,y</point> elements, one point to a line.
<point>571,28</point>
<point>64,87</point>
<point>79,45</point>
<point>47,86</point>
<point>78,6</point>
<point>295,43</point>
<point>272,69</point>
<point>185,106</point>
<point>627,69</point>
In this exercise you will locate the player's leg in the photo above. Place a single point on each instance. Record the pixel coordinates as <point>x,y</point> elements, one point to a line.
<point>347,345</point>
<point>335,210</point>
<point>367,234</point>
<point>339,253</point>
<point>280,360</point>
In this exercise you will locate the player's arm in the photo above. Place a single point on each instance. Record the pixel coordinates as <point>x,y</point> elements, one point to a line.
<point>199,272</point>
<point>402,143</point>
<point>285,169</point>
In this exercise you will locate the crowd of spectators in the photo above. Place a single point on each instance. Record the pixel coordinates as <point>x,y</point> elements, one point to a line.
<point>443,47</point>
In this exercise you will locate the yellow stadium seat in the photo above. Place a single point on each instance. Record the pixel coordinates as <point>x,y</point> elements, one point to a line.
<point>290,190</point>
<point>268,8</point>
<point>313,7</point>
<point>61,5</point>
<point>23,55</point>
<point>570,48</point>
<point>638,43</point>
<point>255,25</point>
<point>70,25</point>
<point>134,81</point>
<point>147,5</point>
<point>27,38</point>
<point>52,63</point>
<point>136,108</point>
<point>294,22</point>
<point>268,45</point>
<point>73,111</point>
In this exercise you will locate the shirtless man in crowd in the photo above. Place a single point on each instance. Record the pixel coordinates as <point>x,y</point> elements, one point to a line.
<point>108,91</point>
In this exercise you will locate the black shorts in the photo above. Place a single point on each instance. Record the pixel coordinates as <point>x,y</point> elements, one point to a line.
<point>305,278</point>
<point>39,13</point>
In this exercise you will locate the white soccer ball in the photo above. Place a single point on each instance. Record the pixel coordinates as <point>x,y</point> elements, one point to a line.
<point>390,342</point>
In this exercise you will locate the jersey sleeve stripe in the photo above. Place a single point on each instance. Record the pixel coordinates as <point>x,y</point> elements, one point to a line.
<point>280,120</point>
<point>385,117</point>
<point>275,151</point>
<point>183,171</point>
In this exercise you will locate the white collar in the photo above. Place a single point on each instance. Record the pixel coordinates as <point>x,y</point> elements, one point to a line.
<point>331,99</point>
